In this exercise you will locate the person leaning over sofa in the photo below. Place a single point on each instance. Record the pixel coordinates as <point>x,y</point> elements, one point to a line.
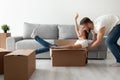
<point>82,41</point>
<point>106,25</point>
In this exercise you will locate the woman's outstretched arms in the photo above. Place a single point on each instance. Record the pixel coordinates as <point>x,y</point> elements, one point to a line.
<point>76,25</point>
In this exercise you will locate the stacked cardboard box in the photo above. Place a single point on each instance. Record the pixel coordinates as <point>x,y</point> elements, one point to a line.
<point>19,65</point>
<point>68,57</point>
<point>2,53</point>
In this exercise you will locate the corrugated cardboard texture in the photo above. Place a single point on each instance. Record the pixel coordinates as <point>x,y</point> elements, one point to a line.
<point>2,53</point>
<point>68,57</point>
<point>3,37</point>
<point>19,67</point>
<point>64,42</point>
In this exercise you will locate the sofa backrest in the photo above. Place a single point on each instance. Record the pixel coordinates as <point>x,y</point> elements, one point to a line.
<point>45,31</point>
<point>67,32</point>
<point>50,31</point>
<point>28,28</point>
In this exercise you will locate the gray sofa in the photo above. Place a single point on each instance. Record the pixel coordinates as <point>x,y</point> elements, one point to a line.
<point>50,32</point>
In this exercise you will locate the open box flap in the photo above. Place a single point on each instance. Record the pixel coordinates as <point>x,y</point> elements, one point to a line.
<point>4,50</point>
<point>21,53</point>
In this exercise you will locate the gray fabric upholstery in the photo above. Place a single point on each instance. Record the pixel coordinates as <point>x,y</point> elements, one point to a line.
<point>90,36</point>
<point>11,41</point>
<point>43,55</point>
<point>47,31</point>
<point>101,47</point>
<point>30,44</point>
<point>97,54</point>
<point>28,28</point>
<point>67,32</point>
<point>27,44</point>
<point>94,49</point>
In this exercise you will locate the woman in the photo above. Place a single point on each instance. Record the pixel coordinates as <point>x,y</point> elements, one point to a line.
<point>82,42</point>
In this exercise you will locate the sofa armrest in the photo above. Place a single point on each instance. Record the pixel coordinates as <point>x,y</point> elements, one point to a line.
<point>102,46</point>
<point>99,52</point>
<point>10,42</point>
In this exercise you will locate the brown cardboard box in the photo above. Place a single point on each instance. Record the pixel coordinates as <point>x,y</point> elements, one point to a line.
<point>3,37</point>
<point>64,42</point>
<point>19,65</point>
<point>68,57</point>
<point>2,53</point>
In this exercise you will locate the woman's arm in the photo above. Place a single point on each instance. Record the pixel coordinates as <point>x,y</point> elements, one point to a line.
<point>76,25</point>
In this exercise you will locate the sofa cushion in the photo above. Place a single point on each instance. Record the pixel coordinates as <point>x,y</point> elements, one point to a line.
<point>30,44</point>
<point>93,49</point>
<point>67,32</point>
<point>101,47</point>
<point>47,31</point>
<point>28,28</point>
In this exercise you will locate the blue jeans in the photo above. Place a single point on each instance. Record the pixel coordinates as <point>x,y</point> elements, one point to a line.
<point>111,42</point>
<point>43,43</point>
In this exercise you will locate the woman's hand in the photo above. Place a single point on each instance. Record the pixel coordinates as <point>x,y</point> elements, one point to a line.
<point>53,47</point>
<point>76,17</point>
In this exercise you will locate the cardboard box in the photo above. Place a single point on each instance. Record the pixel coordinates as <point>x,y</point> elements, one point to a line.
<point>2,53</point>
<point>19,65</point>
<point>64,42</point>
<point>68,57</point>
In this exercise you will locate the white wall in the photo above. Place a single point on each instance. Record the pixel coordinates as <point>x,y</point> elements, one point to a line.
<point>16,12</point>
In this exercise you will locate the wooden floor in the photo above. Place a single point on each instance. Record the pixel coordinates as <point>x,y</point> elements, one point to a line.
<point>95,70</point>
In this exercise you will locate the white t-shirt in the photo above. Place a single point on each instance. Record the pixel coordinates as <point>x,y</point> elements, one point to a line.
<point>107,21</point>
<point>82,42</point>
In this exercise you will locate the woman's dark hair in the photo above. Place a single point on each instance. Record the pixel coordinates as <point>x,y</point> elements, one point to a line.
<point>85,20</point>
<point>87,34</point>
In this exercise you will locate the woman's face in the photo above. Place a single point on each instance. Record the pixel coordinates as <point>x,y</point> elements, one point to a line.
<point>88,26</point>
